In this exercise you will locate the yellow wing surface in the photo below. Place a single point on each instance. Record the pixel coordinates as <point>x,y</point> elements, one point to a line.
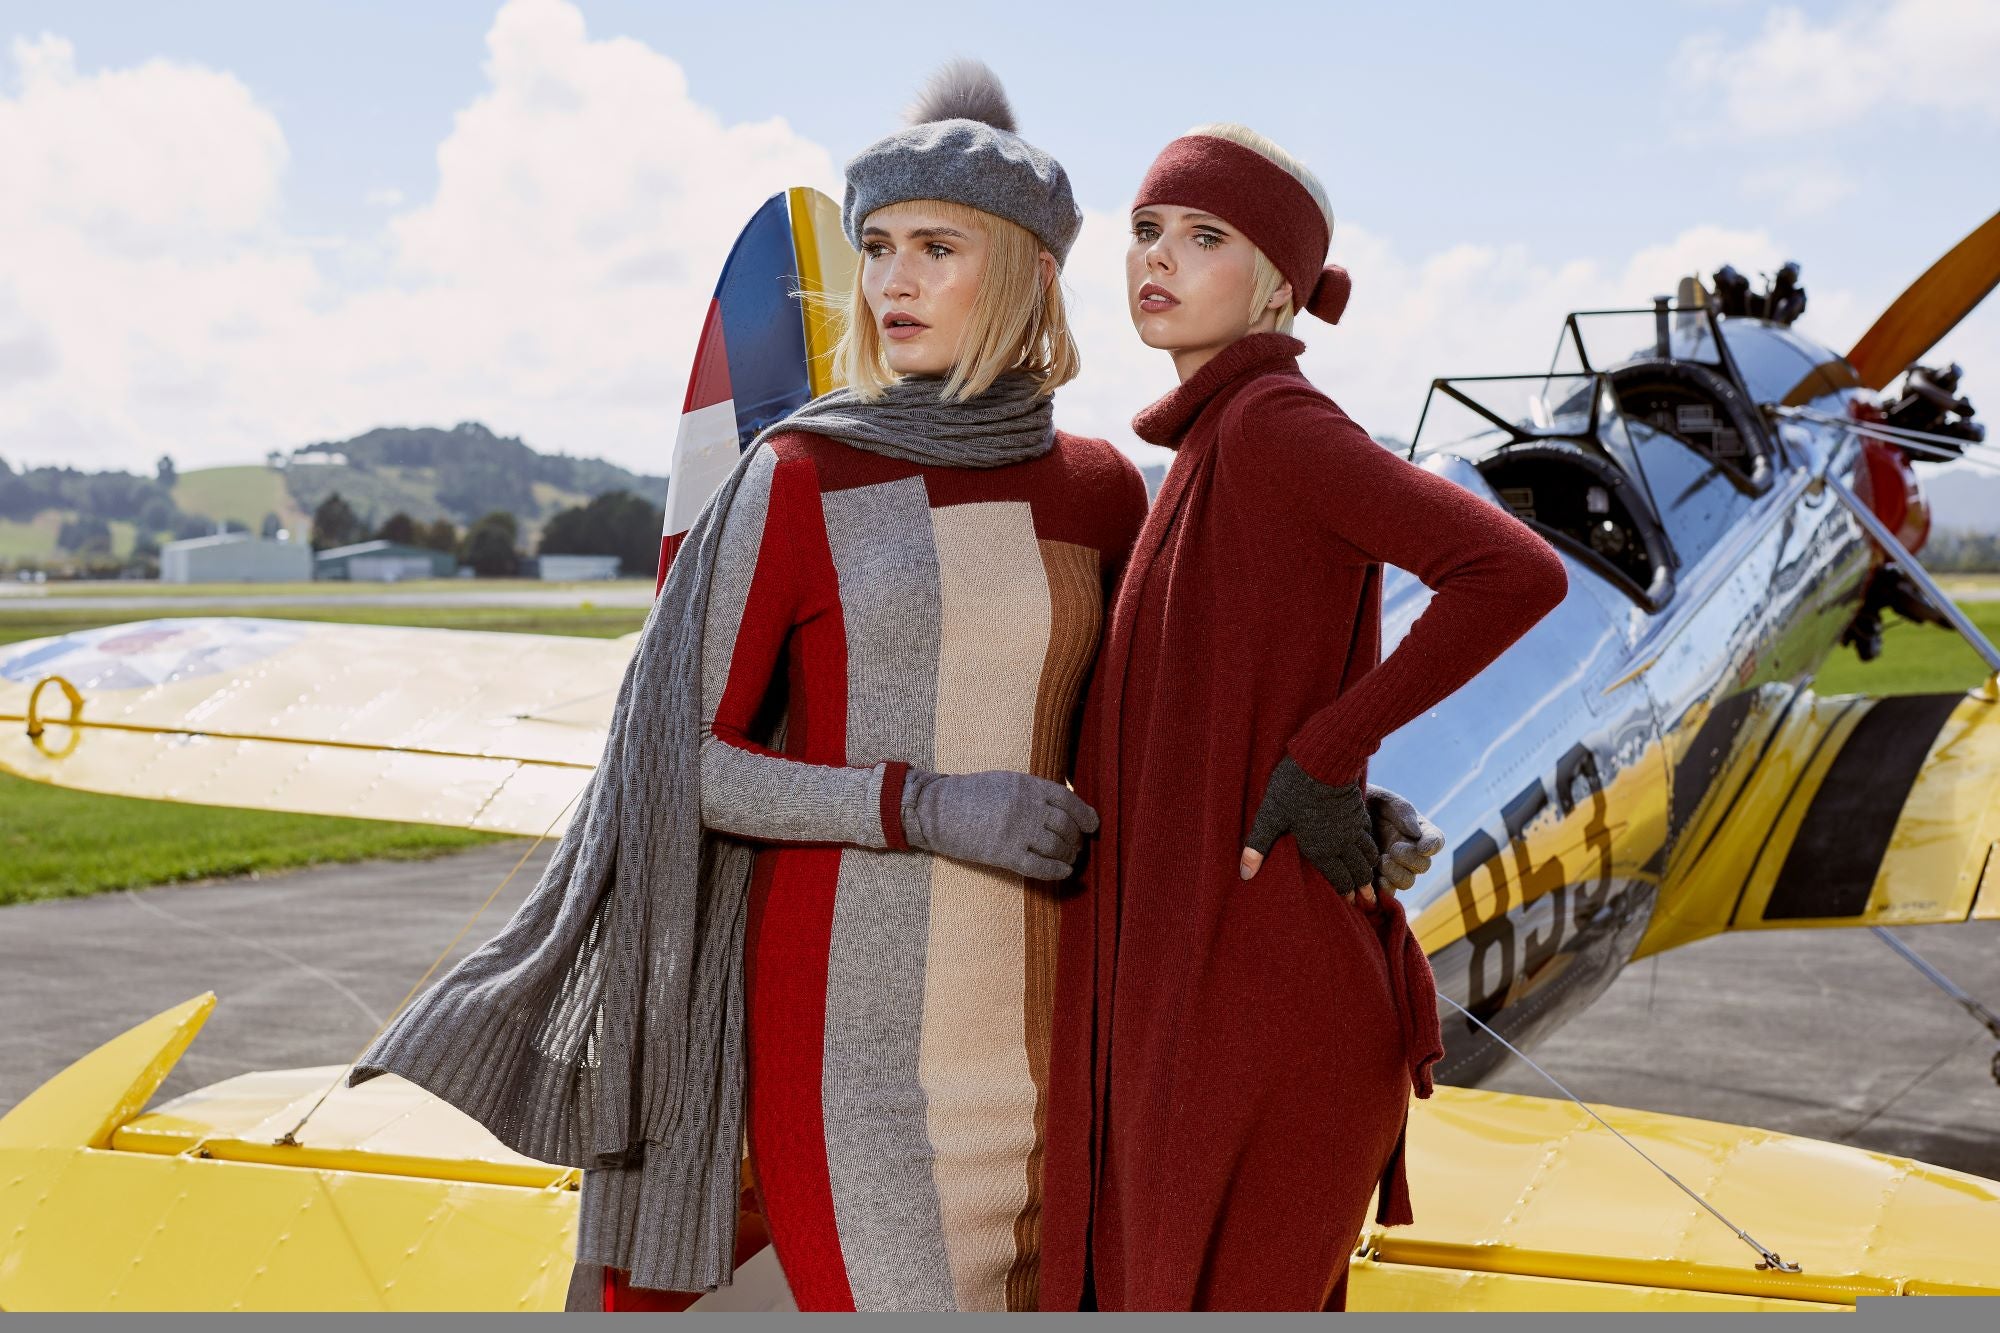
<point>463,728</point>
<point>1851,810</point>
<point>390,1199</point>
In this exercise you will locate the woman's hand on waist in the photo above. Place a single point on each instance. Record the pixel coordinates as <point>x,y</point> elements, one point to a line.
<point>1013,821</point>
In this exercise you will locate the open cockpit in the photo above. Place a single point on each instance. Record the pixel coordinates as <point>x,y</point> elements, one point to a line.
<point>1637,468</point>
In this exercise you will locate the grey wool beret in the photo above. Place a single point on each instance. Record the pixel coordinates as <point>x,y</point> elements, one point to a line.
<point>960,146</point>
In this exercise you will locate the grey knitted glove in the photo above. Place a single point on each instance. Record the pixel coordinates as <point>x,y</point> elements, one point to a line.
<point>1015,821</point>
<point>1408,840</point>
<point>1330,823</point>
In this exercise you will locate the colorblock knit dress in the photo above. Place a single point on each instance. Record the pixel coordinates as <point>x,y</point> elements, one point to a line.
<point>900,616</point>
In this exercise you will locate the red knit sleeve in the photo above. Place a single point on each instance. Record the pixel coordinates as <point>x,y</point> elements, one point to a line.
<point>1492,577</point>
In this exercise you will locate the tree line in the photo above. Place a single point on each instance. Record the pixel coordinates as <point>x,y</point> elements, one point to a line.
<point>615,523</point>
<point>1955,552</point>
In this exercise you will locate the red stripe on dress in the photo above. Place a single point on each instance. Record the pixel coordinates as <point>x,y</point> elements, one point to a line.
<point>790,940</point>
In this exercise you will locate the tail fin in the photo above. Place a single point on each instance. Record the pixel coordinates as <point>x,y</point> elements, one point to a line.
<point>765,348</point>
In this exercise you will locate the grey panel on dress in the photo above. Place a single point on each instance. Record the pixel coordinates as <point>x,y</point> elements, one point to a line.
<point>886,560</point>
<point>878,1151</point>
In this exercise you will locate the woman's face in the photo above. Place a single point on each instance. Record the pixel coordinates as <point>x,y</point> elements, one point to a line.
<point>920,273</point>
<point>1189,279</point>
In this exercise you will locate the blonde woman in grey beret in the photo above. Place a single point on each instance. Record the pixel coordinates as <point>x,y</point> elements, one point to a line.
<point>838,942</point>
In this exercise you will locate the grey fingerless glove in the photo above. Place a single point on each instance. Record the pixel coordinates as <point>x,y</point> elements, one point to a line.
<point>1408,840</point>
<point>1331,825</point>
<point>1015,821</point>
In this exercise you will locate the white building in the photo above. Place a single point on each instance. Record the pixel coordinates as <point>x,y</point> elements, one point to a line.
<point>235,557</point>
<point>381,561</point>
<point>577,568</point>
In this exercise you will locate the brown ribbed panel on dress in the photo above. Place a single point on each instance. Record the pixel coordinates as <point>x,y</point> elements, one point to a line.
<point>1076,617</point>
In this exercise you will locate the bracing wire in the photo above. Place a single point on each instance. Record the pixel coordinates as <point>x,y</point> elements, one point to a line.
<point>1944,448</point>
<point>1769,1258</point>
<point>290,1137</point>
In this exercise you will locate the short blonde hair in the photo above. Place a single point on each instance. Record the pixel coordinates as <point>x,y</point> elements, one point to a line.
<point>1267,279</point>
<point>1017,321</point>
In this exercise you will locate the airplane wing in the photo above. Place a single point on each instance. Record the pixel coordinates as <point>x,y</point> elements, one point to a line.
<point>469,729</point>
<point>1857,810</point>
<point>388,1198</point>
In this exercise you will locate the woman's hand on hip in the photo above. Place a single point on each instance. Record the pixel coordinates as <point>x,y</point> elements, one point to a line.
<point>1013,821</point>
<point>1407,839</point>
<point>1331,825</point>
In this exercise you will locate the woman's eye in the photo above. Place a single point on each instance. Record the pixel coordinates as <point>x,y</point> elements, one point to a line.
<point>1146,231</point>
<point>1207,240</point>
<point>939,251</point>
<point>874,250</point>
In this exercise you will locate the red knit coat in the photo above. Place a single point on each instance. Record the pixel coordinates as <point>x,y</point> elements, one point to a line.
<point>1234,1060</point>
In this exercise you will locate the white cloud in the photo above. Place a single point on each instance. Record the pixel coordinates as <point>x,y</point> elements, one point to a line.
<point>95,157</point>
<point>553,285</point>
<point>150,300</point>
<point>1797,76</point>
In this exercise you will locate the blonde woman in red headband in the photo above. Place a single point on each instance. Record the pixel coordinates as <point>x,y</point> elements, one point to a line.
<point>1242,1015</point>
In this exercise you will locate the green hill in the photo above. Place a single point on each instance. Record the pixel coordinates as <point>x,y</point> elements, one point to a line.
<point>34,539</point>
<point>460,474</point>
<point>426,472</point>
<point>245,494</point>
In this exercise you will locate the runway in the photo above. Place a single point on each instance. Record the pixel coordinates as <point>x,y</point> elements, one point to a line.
<point>1822,1033</point>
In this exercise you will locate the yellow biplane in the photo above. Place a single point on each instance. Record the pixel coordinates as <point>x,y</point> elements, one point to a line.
<point>1648,767</point>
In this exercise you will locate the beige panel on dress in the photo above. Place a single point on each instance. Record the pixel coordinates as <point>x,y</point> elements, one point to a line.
<point>974,1062</point>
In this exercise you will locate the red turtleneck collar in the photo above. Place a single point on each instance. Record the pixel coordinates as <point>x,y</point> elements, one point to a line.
<point>1166,421</point>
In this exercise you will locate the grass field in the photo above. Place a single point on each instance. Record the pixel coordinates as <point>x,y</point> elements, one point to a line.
<point>19,622</point>
<point>1916,659</point>
<point>13,597</point>
<point>57,843</point>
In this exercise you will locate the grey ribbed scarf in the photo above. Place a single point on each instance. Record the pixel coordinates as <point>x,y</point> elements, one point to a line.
<point>603,1026</point>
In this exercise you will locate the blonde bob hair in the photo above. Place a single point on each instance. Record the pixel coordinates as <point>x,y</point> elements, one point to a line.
<point>1266,279</point>
<point>1018,322</point>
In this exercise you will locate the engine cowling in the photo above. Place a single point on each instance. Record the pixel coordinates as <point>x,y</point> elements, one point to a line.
<point>1888,484</point>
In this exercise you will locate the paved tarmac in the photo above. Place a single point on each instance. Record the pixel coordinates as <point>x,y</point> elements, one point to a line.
<point>1824,1033</point>
<point>304,965</point>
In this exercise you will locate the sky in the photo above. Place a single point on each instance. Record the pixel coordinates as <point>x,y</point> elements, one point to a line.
<point>228,227</point>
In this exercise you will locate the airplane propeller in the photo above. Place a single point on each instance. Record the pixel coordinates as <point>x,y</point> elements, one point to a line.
<point>1930,307</point>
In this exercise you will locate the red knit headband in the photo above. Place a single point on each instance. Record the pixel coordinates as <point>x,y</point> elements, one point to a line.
<point>1263,201</point>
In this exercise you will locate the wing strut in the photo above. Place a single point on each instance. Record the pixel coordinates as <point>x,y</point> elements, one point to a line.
<point>1965,1000</point>
<point>1918,575</point>
<point>1822,467</point>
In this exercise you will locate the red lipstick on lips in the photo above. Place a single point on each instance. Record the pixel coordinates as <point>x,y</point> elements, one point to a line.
<point>901,325</point>
<point>1154,298</point>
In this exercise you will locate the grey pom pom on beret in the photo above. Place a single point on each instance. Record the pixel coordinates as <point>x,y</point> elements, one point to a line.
<point>961,147</point>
